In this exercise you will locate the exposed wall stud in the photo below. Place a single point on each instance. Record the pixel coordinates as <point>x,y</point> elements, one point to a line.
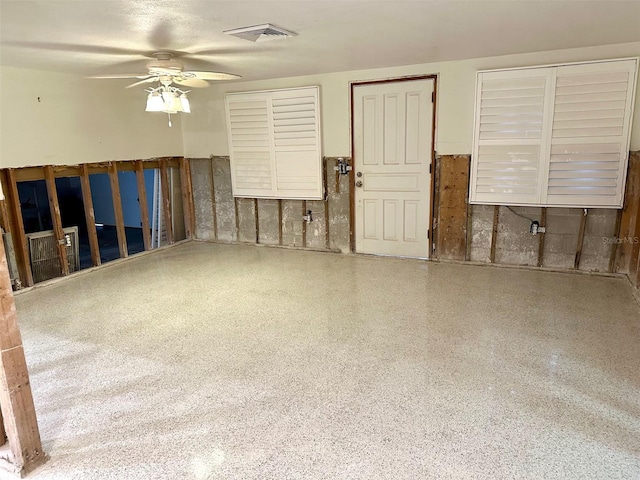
<point>187,198</point>
<point>16,399</point>
<point>583,224</point>
<point>634,265</point>
<point>235,207</point>
<point>166,199</point>
<point>89,215</point>
<point>469,239</point>
<point>17,230</point>
<point>56,220</point>
<point>112,169</point>
<point>4,215</point>
<point>213,201</point>
<point>543,223</point>
<point>325,188</point>
<point>304,224</point>
<point>144,206</point>
<point>630,215</point>
<point>257,219</point>
<point>279,222</point>
<point>494,233</point>
<point>614,247</point>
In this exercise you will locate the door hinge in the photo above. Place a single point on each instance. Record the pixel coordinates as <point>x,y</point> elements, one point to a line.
<point>433,97</point>
<point>429,169</point>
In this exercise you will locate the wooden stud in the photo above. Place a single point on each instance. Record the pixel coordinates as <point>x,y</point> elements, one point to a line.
<point>187,198</point>
<point>166,199</point>
<point>583,224</point>
<point>117,209</point>
<point>89,215</point>
<point>634,265</point>
<point>16,399</point>
<point>543,223</point>
<point>614,247</point>
<point>469,239</point>
<point>213,201</point>
<point>304,224</point>
<point>144,206</point>
<point>279,222</point>
<point>630,214</point>
<point>352,206</point>
<point>17,231</point>
<point>37,173</point>
<point>325,186</point>
<point>58,231</point>
<point>235,206</point>
<point>4,216</point>
<point>257,220</point>
<point>494,233</point>
<point>3,432</point>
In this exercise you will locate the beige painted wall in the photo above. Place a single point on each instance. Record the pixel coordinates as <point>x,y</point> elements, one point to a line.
<point>205,133</point>
<point>77,120</point>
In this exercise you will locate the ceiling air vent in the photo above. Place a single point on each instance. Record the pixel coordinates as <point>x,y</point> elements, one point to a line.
<point>260,33</point>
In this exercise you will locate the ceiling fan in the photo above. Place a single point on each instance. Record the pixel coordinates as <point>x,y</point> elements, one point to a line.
<point>167,71</point>
<point>164,65</point>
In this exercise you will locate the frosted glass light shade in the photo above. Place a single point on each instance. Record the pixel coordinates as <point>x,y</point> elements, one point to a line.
<point>154,103</point>
<point>184,101</point>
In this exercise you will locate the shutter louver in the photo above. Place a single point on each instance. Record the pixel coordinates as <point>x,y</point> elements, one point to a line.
<point>553,136</point>
<point>274,139</point>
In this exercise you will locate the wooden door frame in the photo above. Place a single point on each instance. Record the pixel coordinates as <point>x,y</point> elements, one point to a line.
<point>352,177</point>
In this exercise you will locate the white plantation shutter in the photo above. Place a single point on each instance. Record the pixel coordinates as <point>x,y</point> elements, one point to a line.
<point>249,141</point>
<point>274,141</point>
<point>508,142</point>
<point>590,133</point>
<point>553,136</point>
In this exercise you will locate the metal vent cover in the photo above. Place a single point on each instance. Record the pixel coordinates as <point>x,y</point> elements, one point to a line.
<point>43,252</point>
<point>261,33</point>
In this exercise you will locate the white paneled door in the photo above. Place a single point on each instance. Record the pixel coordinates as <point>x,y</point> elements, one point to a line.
<point>392,129</point>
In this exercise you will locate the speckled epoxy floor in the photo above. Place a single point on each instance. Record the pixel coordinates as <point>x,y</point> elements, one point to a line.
<point>208,361</point>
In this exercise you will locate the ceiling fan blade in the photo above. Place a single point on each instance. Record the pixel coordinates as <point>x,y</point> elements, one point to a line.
<point>122,75</point>
<point>146,80</point>
<point>213,75</point>
<point>191,82</point>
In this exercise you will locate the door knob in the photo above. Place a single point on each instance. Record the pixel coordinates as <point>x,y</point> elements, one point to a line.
<point>359,183</point>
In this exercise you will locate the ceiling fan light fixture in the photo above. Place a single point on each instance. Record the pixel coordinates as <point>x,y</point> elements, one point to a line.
<point>184,101</point>
<point>155,103</point>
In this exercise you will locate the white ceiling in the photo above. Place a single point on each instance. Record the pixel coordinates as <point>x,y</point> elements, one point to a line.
<point>107,37</point>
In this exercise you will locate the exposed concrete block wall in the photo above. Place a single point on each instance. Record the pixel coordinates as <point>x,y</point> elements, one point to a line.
<point>202,181</point>
<point>598,247</point>
<point>221,217</point>
<point>268,218</point>
<point>561,237</point>
<point>481,231</point>
<point>513,243</point>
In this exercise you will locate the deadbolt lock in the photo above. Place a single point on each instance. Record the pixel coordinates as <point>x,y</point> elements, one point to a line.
<point>359,174</point>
